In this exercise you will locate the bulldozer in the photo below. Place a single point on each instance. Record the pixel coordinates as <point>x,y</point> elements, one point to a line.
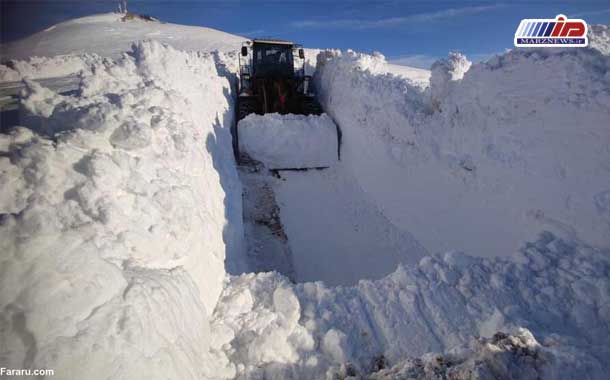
<point>272,80</point>
<point>269,81</point>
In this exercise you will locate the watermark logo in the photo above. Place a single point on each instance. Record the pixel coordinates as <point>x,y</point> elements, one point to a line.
<point>14,372</point>
<point>557,32</point>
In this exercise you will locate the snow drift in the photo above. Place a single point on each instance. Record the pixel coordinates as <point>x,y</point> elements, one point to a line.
<point>119,208</point>
<point>488,155</point>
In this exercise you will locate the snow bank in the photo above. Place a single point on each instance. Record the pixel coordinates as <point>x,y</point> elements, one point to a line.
<point>480,161</point>
<point>289,141</point>
<point>120,209</point>
<point>560,291</point>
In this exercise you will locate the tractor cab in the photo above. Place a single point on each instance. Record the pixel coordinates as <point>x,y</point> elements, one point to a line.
<point>272,59</point>
<point>270,80</point>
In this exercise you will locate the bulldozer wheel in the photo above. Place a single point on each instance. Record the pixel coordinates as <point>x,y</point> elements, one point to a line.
<point>312,107</point>
<point>245,107</point>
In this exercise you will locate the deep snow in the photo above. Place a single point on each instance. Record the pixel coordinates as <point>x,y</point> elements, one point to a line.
<point>121,219</point>
<point>121,213</point>
<point>484,161</point>
<point>560,291</point>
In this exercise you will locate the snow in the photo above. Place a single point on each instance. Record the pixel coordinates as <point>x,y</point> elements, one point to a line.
<point>550,288</point>
<point>266,241</point>
<point>127,250</point>
<point>504,356</point>
<point>39,68</point>
<point>481,161</point>
<point>599,38</point>
<point>108,35</point>
<point>114,230</point>
<point>335,233</point>
<point>74,46</point>
<point>289,141</point>
<point>419,77</point>
<point>438,305</point>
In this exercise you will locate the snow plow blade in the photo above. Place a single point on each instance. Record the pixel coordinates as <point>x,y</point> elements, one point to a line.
<point>288,142</point>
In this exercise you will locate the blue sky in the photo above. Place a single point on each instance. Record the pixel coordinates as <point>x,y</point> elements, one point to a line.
<point>411,32</point>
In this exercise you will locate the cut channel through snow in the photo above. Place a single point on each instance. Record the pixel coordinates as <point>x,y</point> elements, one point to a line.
<point>315,225</point>
<point>121,216</point>
<point>335,233</point>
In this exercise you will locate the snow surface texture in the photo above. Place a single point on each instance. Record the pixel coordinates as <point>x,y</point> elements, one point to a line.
<point>599,38</point>
<point>419,77</point>
<point>489,155</point>
<point>38,68</point>
<point>272,329</point>
<point>289,141</point>
<point>335,233</point>
<point>119,207</point>
<point>503,356</point>
<point>265,238</point>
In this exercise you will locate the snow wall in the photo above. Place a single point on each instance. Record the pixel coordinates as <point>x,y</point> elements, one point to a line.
<point>487,156</point>
<point>120,214</point>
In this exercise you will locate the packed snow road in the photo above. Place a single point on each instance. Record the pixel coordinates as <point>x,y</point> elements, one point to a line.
<point>333,232</point>
<point>337,235</point>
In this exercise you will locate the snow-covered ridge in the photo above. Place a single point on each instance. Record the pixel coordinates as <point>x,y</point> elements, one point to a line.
<point>73,47</point>
<point>121,209</point>
<point>108,35</point>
